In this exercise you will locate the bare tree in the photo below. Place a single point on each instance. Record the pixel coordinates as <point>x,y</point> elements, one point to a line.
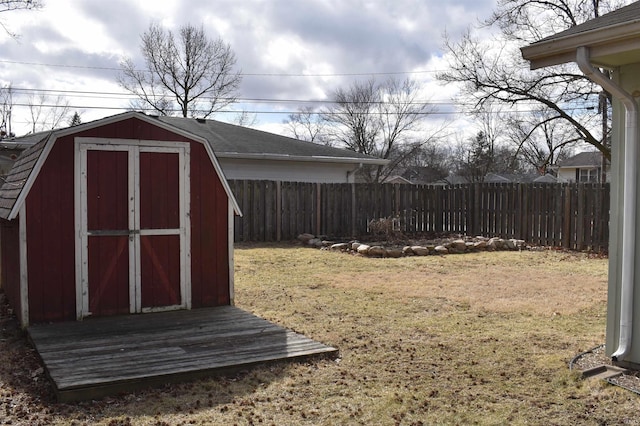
<point>47,113</point>
<point>6,108</point>
<point>375,119</point>
<point>540,140</point>
<point>493,70</point>
<point>246,118</point>
<point>308,125</point>
<point>426,162</point>
<point>12,5</point>
<point>189,73</point>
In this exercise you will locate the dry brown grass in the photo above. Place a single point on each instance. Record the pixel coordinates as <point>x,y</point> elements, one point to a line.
<point>463,339</point>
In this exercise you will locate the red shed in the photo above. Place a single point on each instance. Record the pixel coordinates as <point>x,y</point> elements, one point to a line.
<point>127,214</point>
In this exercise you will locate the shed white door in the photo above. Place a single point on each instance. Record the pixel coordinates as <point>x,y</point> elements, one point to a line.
<point>134,227</point>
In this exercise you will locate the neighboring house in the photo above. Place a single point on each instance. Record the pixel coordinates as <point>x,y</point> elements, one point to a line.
<point>612,41</point>
<point>397,179</point>
<point>252,154</point>
<point>126,214</point>
<point>454,179</point>
<point>245,153</point>
<point>546,178</point>
<point>585,167</point>
<point>421,175</point>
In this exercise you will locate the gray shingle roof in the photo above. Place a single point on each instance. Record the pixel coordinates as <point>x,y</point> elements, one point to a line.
<point>583,159</point>
<point>232,140</point>
<point>17,177</point>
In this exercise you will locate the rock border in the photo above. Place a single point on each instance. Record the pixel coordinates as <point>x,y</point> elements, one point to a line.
<point>447,246</point>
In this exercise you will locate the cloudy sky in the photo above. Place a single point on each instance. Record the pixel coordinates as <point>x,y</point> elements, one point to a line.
<point>288,50</point>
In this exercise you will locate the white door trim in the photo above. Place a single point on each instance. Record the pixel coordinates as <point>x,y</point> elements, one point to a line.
<point>134,148</point>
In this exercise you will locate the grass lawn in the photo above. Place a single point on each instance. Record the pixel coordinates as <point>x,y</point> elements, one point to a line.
<point>461,339</point>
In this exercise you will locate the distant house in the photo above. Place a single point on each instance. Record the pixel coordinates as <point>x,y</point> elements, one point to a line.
<point>420,175</point>
<point>454,179</point>
<point>245,153</point>
<point>585,167</point>
<point>546,178</point>
<point>398,179</point>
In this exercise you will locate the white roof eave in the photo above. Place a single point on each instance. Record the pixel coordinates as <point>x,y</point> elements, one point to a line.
<point>602,42</point>
<point>303,158</point>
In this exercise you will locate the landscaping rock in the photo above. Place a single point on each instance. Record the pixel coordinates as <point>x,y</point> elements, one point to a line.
<point>446,246</point>
<point>510,244</point>
<point>495,244</point>
<point>363,249</point>
<point>480,245</point>
<point>441,250</point>
<point>419,250</point>
<point>458,245</point>
<point>376,251</point>
<point>340,246</point>
<point>394,253</point>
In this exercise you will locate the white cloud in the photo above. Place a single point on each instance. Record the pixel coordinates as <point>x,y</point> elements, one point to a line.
<point>330,40</point>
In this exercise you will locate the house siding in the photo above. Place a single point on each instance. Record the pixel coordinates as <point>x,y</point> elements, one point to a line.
<point>287,171</point>
<point>209,249</point>
<point>628,77</point>
<point>50,238</point>
<point>10,258</point>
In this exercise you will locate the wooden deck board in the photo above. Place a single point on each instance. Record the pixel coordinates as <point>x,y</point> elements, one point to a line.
<point>100,356</point>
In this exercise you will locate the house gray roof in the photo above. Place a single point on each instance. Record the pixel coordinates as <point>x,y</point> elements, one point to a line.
<point>546,178</point>
<point>232,141</point>
<point>583,159</point>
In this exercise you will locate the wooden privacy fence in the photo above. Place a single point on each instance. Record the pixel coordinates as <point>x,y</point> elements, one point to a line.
<point>574,216</point>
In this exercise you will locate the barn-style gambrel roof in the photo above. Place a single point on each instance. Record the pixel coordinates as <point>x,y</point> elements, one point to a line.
<point>17,183</point>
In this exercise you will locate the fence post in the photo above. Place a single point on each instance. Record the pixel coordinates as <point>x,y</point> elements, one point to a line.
<point>475,210</point>
<point>318,208</point>
<point>278,210</point>
<point>353,209</point>
<point>566,229</point>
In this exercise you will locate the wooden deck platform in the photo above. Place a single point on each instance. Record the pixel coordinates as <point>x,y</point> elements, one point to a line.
<point>103,356</point>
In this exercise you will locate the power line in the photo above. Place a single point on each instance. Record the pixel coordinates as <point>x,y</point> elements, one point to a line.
<point>131,96</point>
<point>243,74</point>
<point>119,108</point>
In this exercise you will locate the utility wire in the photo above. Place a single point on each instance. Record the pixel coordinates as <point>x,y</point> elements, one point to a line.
<point>243,74</point>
